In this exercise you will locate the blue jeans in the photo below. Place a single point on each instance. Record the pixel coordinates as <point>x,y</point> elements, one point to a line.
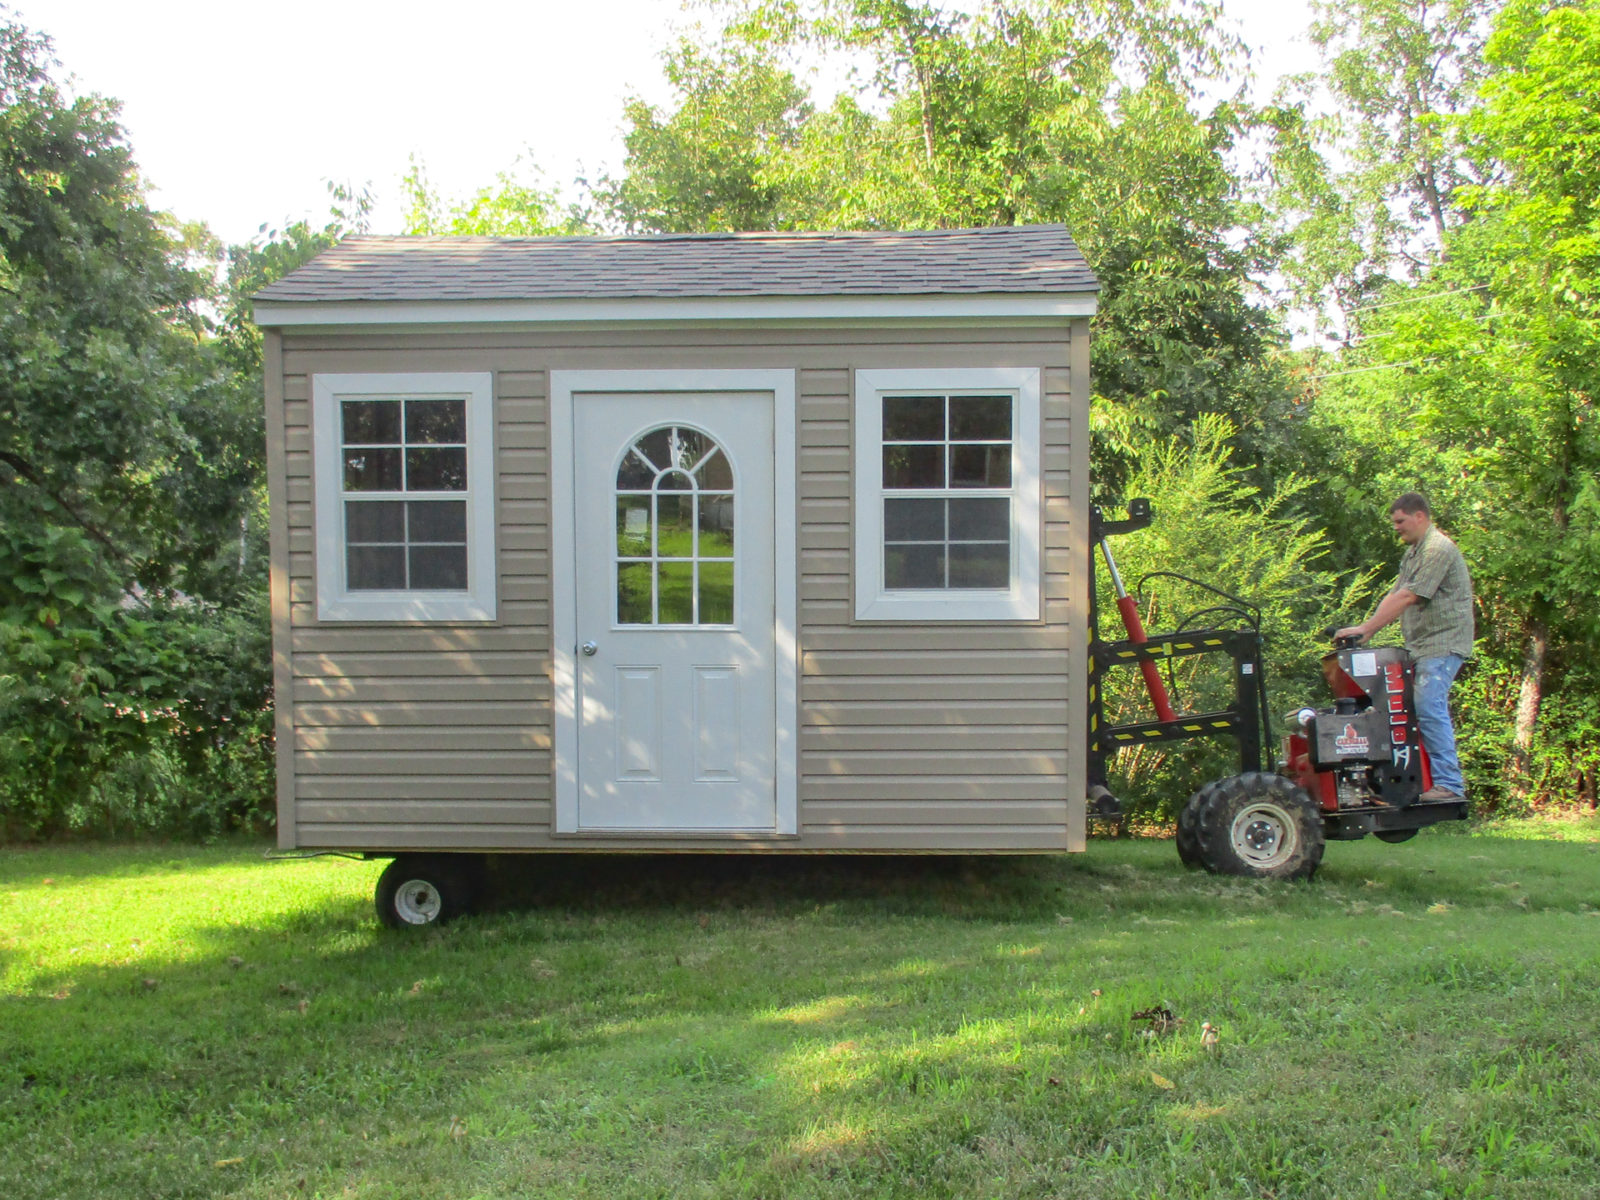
<point>1431,687</point>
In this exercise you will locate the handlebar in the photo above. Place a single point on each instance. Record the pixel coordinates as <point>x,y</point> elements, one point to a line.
<point>1341,643</point>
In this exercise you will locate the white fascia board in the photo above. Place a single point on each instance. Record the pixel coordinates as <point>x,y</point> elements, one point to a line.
<point>649,311</point>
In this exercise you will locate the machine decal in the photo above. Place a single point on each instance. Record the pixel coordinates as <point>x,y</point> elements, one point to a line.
<point>1350,742</point>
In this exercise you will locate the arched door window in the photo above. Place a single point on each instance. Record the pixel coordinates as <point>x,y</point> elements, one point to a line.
<point>675,530</point>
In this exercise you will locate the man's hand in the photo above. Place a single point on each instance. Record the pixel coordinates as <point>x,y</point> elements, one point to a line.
<point>1348,631</point>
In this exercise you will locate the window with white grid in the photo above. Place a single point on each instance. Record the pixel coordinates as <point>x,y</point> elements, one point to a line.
<point>404,496</point>
<point>947,494</point>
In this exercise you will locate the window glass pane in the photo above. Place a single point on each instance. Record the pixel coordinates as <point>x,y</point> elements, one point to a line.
<point>368,422</point>
<point>716,525</point>
<point>980,566</point>
<point>680,514</point>
<point>370,568</point>
<point>675,606</point>
<point>980,418</point>
<point>372,470</point>
<point>633,594</point>
<point>913,466</point>
<point>437,520</point>
<point>913,566</point>
<point>374,521</point>
<point>716,593</point>
<point>714,474</point>
<point>692,446</point>
<point>654,446</point>
<point>913,520</point>
<point>436,421</point>
<point>436,470</point>
<point>675,525</point>
<point>980,519</point>
<point>980,466</point>
<point>913,418</point>
<point>439,568</point>
<point>633,526</point>
<point>634,476</point>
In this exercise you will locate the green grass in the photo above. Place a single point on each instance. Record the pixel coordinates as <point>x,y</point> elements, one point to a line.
<point>1419,1021</point>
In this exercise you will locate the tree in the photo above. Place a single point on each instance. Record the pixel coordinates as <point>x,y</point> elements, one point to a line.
<point>132,580</point>
<point>1372,189</point>
<point>1518,379</point>
<point>1084,113</point>
<point>1478,382</point>
<point>701,168</point>
<point>510,207</point>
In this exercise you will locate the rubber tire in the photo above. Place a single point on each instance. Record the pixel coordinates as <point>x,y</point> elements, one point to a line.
<point>437,887</point>
<point>1188,839</point>
<point>1394,836</point>
<point>1281,803</point>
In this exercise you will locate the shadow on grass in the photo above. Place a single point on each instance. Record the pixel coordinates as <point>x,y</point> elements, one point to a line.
<point>980,887</point>
<point>1128,877</point>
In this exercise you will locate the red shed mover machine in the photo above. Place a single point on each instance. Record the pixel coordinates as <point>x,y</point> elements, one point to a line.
<point>1354,768</point>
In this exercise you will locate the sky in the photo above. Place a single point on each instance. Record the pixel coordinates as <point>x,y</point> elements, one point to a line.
<point>240,114</point>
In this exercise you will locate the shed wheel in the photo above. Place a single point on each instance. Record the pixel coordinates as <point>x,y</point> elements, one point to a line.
<point>425,889</point>
<point>1394,835</point>
<point>1188,816</point>
<point>1260,826</point>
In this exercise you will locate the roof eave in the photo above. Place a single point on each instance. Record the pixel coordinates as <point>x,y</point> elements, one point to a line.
<point>654,310</point>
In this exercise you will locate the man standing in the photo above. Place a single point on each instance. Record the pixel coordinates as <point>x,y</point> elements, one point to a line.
<point>1433,599</point>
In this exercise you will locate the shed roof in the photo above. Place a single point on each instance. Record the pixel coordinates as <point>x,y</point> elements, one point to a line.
<point>1000,260</point>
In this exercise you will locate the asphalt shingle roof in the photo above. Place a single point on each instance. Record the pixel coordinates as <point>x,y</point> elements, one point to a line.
<point>998,260</point>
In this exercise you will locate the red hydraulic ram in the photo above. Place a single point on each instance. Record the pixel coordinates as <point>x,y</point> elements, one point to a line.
<point>1129,608</point>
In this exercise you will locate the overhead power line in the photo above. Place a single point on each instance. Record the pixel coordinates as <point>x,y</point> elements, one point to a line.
<point>1388,333</point>
<point>1477,287</point>
<point>1363,370</point>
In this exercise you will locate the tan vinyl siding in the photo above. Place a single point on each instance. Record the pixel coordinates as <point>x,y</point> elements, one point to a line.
<point>916,738</point>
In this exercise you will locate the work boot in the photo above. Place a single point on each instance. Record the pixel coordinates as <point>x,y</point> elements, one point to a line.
<point>1437,795</point>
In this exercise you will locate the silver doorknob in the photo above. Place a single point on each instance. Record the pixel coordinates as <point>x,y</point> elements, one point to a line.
<point>589,648</point>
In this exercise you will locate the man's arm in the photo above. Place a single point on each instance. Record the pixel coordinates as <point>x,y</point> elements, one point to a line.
<point>1387,612</point>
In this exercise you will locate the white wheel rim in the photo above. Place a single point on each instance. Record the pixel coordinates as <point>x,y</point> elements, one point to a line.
<point>417,902</point>
<point>1265,835</point>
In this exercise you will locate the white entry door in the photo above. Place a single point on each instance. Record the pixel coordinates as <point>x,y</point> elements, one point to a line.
<point>674,504</point>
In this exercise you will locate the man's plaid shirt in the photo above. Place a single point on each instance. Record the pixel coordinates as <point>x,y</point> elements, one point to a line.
<point>1441,620</point>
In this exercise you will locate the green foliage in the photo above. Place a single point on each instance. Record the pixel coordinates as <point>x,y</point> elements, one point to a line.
<point>1398,75</point>
<point>134,677</point>
<point>1478,385</point>
<point>1086,113</point>
<point>125,715</point>
<point>510,207</point>
<point>701,168</point>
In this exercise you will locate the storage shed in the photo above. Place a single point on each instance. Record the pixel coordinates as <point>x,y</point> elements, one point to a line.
<point>755,542</point>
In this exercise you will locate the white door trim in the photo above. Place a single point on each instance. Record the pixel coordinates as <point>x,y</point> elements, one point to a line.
<point>564,387</point>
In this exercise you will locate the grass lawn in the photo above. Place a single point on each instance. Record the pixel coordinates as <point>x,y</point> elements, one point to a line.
<point>1420,1020</point>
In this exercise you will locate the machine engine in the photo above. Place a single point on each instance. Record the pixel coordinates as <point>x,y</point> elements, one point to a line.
<point>1365,750</point>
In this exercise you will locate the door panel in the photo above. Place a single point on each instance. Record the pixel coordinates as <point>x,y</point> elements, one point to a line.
<point>674,593</point>
<point>638,724</point>
<point>716,724</point>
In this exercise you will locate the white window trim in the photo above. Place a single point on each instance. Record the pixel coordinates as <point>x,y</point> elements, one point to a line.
<point>565,386</point>
<point>1019,602</point>
<point>335,601</point>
